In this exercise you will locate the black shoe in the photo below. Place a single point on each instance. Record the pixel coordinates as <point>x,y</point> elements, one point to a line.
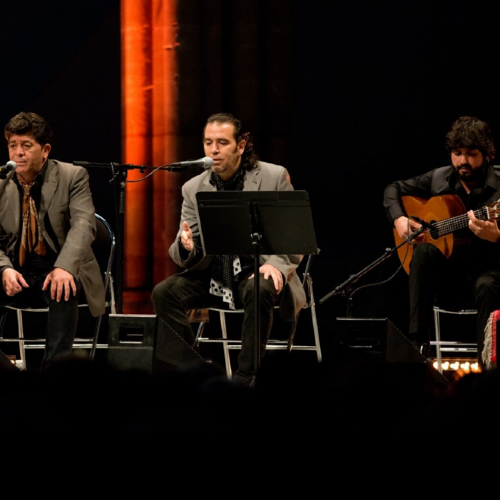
<point>248,380</point>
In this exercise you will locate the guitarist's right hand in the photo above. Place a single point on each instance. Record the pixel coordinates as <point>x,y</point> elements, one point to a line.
<point>405,227</point>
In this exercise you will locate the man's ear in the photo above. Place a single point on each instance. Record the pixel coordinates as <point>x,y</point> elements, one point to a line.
<point>241,146</point>
<point>46,150</point>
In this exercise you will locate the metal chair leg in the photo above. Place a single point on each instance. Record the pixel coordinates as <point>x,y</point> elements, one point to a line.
<point>437,327</point>
<point>227,358</point>
<point>314,318</point>
<point>20,330</point>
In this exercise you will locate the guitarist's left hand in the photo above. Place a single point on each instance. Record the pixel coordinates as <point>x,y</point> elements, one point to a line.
<point>484,229</point>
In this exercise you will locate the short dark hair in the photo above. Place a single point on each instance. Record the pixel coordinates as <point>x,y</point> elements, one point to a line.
<point>471,133</point>
<point>26,123</point>
<point>249,159</point>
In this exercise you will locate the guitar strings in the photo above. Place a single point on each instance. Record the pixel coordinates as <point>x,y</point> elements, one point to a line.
<point>453,224</point>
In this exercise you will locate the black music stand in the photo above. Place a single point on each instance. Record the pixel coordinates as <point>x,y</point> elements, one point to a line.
<point>256,223</point>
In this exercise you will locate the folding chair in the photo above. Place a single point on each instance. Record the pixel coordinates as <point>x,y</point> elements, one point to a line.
<point>229,344</point>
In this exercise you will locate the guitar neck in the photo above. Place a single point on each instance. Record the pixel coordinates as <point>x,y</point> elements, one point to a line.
<point>447,226</point>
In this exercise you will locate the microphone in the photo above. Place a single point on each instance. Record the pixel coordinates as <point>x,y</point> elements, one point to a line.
<point>422,222</point>
<point>8,167</point>
<point>205,162</point>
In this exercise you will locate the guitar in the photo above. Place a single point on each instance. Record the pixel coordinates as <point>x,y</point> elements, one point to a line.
<point>447,215</point>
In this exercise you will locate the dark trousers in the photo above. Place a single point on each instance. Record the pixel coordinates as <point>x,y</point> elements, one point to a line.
<point>450,283</point>
<point>173,297</point>
<point>62,319</point>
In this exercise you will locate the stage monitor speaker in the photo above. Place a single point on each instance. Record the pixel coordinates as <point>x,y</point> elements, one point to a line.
<point>172,349</point>
<point>377,336</point>
<point>379,339</point>
<point>144,342</point>
<point>131,341</point>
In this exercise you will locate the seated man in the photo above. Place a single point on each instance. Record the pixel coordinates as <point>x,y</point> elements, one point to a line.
<point>47,226</point>
<point>472,269</point>
<point>212,281</point>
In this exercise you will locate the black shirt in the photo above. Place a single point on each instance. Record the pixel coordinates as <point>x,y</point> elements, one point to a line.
<point>445,180</point>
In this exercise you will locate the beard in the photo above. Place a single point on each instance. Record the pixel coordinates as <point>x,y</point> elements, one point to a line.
<point>468,174</point>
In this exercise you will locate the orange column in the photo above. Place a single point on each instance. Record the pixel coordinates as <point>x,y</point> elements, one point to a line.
<point>136,132</point>
<point>149,107</point>
<point>166,130</point>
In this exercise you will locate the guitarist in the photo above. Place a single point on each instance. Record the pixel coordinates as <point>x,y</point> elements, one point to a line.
<point>471,271</point>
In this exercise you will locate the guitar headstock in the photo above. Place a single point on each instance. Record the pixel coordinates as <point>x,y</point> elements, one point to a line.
<point>493,211</point>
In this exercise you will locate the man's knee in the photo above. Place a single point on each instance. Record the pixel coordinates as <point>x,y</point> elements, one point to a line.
<point>162,291</point>
<point>424,251</point>
<point>425,255</point>
<point>487,285</point>
<point>267,290</point>
<point>55,305</point>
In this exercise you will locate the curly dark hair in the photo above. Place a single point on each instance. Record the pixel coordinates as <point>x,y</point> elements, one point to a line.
<point>249,158</point>
<point>29,123</point>
<point>471,133</point>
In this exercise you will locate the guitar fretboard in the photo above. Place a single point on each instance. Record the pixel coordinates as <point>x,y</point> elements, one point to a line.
<point>453,224</point>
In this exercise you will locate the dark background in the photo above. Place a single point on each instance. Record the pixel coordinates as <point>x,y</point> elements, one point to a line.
<point>374,88</point>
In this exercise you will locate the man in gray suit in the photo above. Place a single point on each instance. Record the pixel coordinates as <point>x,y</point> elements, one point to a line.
<point>214,281</point>
<point>47,226</point>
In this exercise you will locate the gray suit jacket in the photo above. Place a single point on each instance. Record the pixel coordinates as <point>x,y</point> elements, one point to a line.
<point>67,222</point>
<point>266,177</point>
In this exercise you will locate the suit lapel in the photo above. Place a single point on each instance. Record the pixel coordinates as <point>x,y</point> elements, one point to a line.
<point>206,186</point>
<point>252,180</point>
<point>11,203</point>
<point>49,188</point>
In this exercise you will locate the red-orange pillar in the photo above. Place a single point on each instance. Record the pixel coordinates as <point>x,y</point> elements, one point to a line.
<point>149,111</point>
<point>166,131</point>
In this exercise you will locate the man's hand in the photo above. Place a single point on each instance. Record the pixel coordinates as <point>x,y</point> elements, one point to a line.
<point>484,229</point>
<point>61,284</point>
<point>405,227</point>
<point>268,270</point>
<point>13,282</point>
<point>186,237</point>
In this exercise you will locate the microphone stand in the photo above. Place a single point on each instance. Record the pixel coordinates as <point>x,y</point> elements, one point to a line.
<point>354,277</point>
<point>120,174</point>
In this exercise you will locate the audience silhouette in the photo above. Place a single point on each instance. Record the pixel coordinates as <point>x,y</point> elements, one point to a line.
<point>349,394</point>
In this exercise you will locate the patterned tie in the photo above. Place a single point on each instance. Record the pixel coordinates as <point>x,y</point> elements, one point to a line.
<point>31,237</point>
<point>225,268</point>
